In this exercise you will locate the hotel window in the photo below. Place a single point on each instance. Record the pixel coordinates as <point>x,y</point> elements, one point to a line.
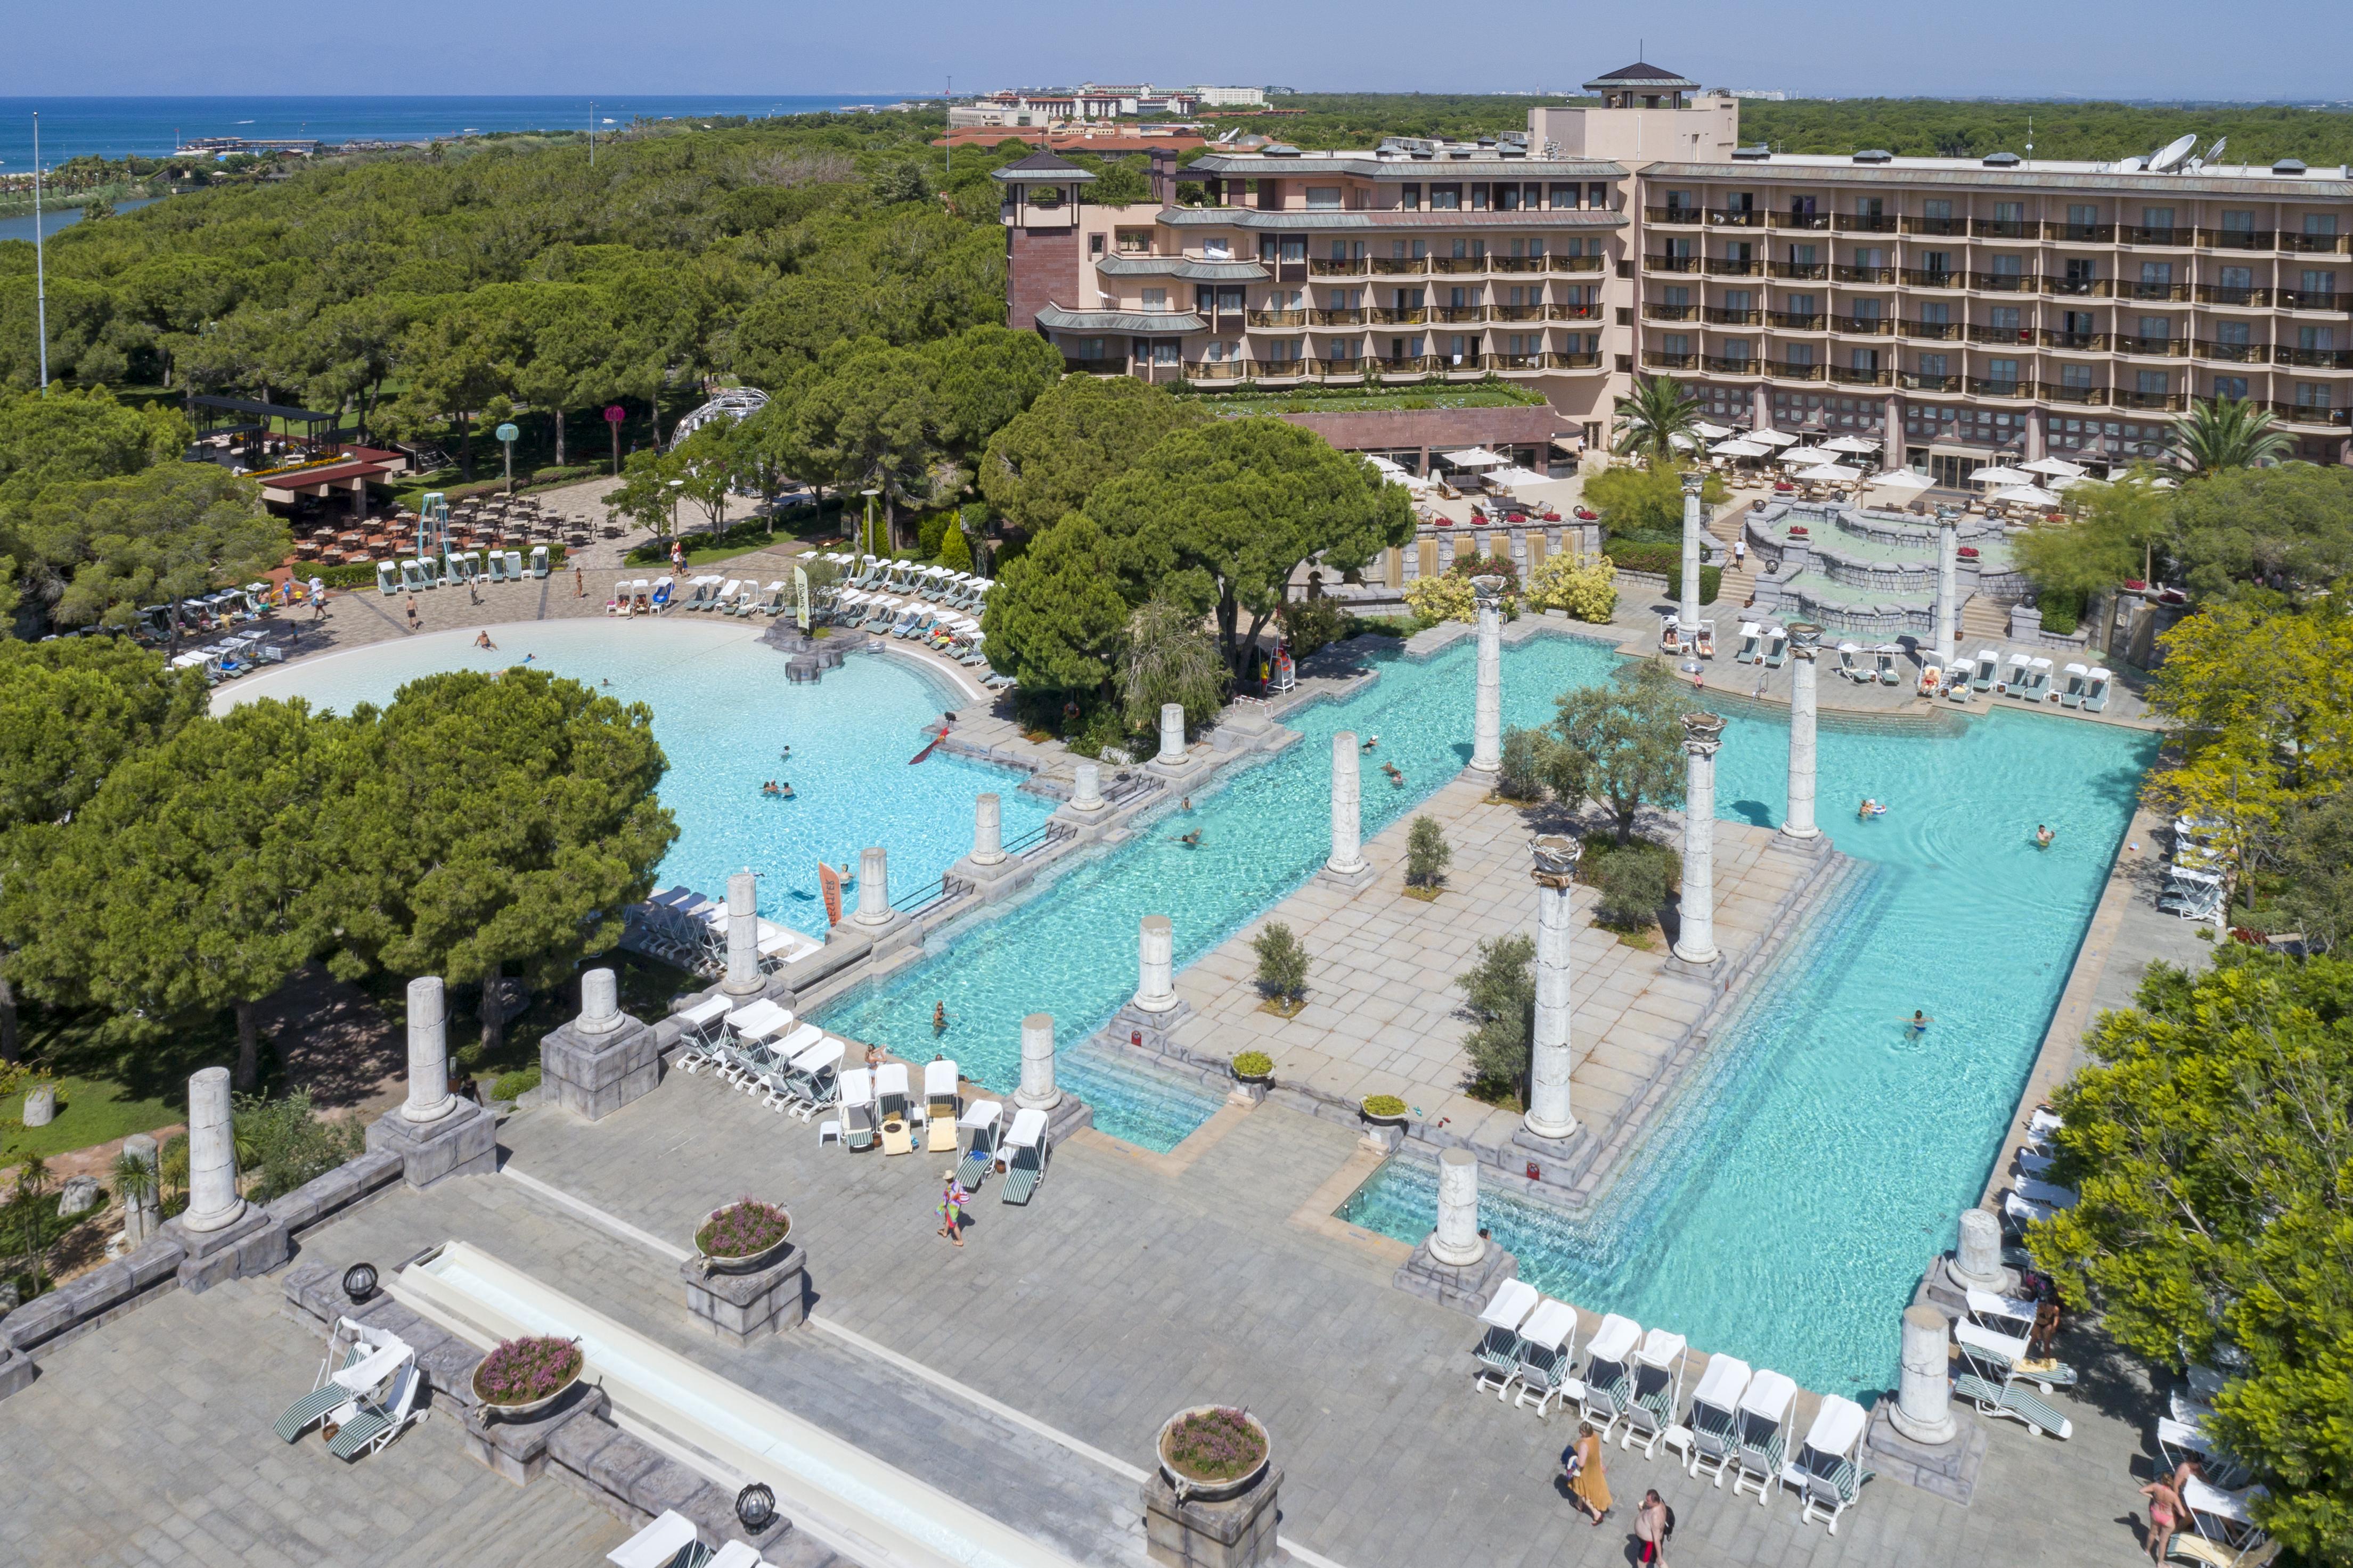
<point>1134,241</point>
<point>2239,222</point>
<point>2076,375</point>
<point>1870,207</point>
<point>1937,209</point>
<point>1675,343</point>
<point>1156,299</point>
<point>1089,348</point>
<point>1281,350</point>
<point>1932,364</point>
<point>1532,195</point>
<point>2082,214</point>
<point>1679,201</point>
<point>2002,371</point>
<point>2232,334</point>
<point>2154,382</point>
<point>2312,394</point>
<point>1801,304</point>
<point>1870,256</point>
<point>1739,350</point>
<point>1445,198</point>
<point>1739,299</point>
<point>2156,274</point>
<point>1507,199</point>
<point>1675,298</point>
<point>2232,387</point>
<point>2008,265</point>
<point>1343,348</point>
<point>2318,223</point>
<point>1094,245</point>
<point>1323,198</point>
<point>1564,196</point>
<point>1479,195</point>
<point>1936,313</point>
<point>2237,277</point>
<point>1524,344</point>
<point>1458,346</point>
<point>1797,353</point>
<point>2158,327</point>
<point>1937,263</point>
<point>2316,282</point>
<point>2009,212</point>
<point>2004,319</point>
<point>1802,255</point>
<point>1410,196</point>
<point>2157,217</point>
<point>1216,249</point>
<point>1863,359</point>
<point>2322,340</point>
<point>1865,310</point>
<point>1597,193</point>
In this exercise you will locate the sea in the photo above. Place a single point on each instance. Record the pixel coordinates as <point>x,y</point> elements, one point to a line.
<point>153,126</point>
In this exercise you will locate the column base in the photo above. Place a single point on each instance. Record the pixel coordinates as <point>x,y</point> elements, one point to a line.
<point>1949,1469</point>
<point>1549,1155</point>
<point>463,1144</point>
<point>1155,1032</point>
<point>1467,1287</point>
<point>1791,843</point>
<point>1699,968</point>
<point>1233,1532</point>
<point>741,1307</point>
<point>995,880</point>
<point>517,1450</point>
<point>1363,874</point>
<point>594,1076</point>
<point>253,1243</point>
<point>1945,1287</point>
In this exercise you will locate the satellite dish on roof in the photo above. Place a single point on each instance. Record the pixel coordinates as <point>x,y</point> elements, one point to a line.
<point>2172,154</point>
<point>2214,154</point>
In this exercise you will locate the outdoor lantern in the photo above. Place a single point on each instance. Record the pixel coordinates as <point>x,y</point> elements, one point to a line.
<point>359,1281</point>
<point>755,1508</point>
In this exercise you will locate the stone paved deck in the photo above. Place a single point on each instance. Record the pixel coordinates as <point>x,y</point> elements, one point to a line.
<point>1383,1014</point>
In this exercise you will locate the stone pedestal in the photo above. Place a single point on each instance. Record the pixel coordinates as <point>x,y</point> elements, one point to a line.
<point>1924,1407</point>
<point>253,1243</point>
<point>593,1067</point>
<point>741,1307</point>
<point>141,1217</point>
<point>873,887</point>
<point>1235,1533</point>
<point>1687,609</point>
<point>429,1098</point>
<point>1456,1241</point>
<point>16,1369</point>
<point>743,977</point>
<point>213,1200</point>
<point>464,1143</point>
<point>1487,715</point>
<point>1552,1057</point>
<point>1696,941</point>
<point>1156,965</point>
<point>518,1449</point>
<point>1465,1288</point>
<point>1949,1469</point>
<point>1948,608</point>
<point>1086,795</point>
<point>1037,1091</point>
<point>1976,1261</point>
<point>1805,638</point>
<point>987,829</point>
<point>1347,865</point>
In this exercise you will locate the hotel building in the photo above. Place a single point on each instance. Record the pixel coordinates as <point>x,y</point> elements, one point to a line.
<point>1954,307</point>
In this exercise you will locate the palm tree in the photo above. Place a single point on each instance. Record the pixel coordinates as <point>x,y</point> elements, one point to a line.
<point>1659,411</point>
<point>2226,433</point>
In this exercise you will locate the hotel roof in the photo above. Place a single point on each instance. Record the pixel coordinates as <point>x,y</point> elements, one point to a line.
<point>2276,182</point>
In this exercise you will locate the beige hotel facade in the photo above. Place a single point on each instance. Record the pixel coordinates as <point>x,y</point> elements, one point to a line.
<point>1951,308</point>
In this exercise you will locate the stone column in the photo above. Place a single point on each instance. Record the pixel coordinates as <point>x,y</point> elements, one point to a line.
<point>743,977</point>
<point>600,1003</point>
<point>1156,965</point>
<point>1487,732</point>
<point>1805,640</point>
<point>1038,1091</point>
<point>213,1200</point>
<point>1703,734</point>
<point>1923,1393</point>
<point>1976,1261</point>
<point>1172,734</point>
<point>987,829</point>
<point>1687,612</point>
<point>429,1098</point>
<point>873,887</point>
<point>1948,568</point>
<point>1549,1051</point>
<point>1348,827</point>
<point>1456,1242</point>
<point>1087,795</point>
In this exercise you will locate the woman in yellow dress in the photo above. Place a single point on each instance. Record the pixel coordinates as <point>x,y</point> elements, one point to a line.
<point>1587,1487</point>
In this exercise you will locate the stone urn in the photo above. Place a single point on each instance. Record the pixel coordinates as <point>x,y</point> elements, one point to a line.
<point>524,1409</point>
<point>40,1104</point>
<point>746,1263</point>
<point>1195,1489</point>
<point>1385,1109</point>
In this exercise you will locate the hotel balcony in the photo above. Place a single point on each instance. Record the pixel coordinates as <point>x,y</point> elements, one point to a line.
<point>1353,317</point>
<point>1576,263</point>
<point>1844,375</point>
<point>1941,331</point>
<point>1275,317</point>
<point>1717,316</point>
<point>2081,396</point>
<point>1094,366</point>
<point>1783,370</point>
<point>2156,402</point>
<point>1864,326</point>
<point>1441,264</point>
<point>1801,220</point>
<point>1861,223</point>
<point>1515,312</point>
<point>2081,343</point>
<point>1671,263</point>
<point>1922,277</point>
<point>2136,288</point>
<point>1516,264</point>
<point>2142,234</point>
<point>2003,282</point>
<point>2256,298</point>
<point>1219,370</point>
<point>1516,362</point>
<point>2313,413</point>
<point>2001,337</point>
<point>2236,238</point>
<point>1400,265</point>
<point>1671,312</point>
<point>2077,288</point>
<point>2168,348</point>
<point>1913,383</point>
<point>2234,354</point>
<point>1345,268</point>
<point>2314,359</point>
<point>2311,299</point>
<point>2082,233</point>
<point>1390,316</point>
<point>1655,359</point>
<point>1952,226</point>
<point>1457,313</point>
<point>1979,386</point>
<point>2316,243</point>
<point>1573,312</point>
<point>1582,359</point>
<point>1735,267</point>
<point>1796,321</point>
<point>1735,217</point>
<point>1674,214</point>
<point>1814,271</point>
<point>1720,364</point>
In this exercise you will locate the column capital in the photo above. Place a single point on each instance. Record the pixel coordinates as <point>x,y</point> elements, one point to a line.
<point>1488,589</point>
<point>1805,637</point>
<point>1703,733</point>
<point>1692,479</point>
<point>1555,857</point>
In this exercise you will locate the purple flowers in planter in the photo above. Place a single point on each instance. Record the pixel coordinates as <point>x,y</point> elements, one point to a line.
<point>1216,1445</point>
<point>520,1370</point>
<point>744,1227</point>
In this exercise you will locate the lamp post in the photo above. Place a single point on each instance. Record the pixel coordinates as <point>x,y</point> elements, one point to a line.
<point>506,435</point>
<point>866,535</point>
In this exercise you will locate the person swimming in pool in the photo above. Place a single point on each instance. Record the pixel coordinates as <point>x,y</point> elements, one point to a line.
<point>2042,836</point>
<point>1397,774</point>
<point>1918,1025</point>
<point>786,789</point>
<point>1870,808</point>
<point>1371,742</point>
<point>1190,840</point>
<point>770,788</point>
<point>939,1018</point>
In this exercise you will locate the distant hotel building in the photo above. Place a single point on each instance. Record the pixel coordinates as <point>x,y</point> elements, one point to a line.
<point>1097,101</point>
<point>1952,307</point>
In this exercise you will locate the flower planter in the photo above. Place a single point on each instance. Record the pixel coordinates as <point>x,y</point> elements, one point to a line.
<point>524,1409</point>
<point>1196,1488</point>
<point>746,1263</point>
<point>1380,1115</point>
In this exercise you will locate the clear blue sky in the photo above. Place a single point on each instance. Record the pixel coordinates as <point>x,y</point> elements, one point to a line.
<point>2150,48</point>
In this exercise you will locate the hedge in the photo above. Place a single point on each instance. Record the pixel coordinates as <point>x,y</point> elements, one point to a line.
<point>1664,561</point>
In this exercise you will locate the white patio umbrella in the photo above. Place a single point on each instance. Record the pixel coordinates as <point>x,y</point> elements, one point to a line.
<point>1742,449</point>
<point>1808,454</point>
<point>1383,464</point>
<point>1772,437</point>
<point>1998,475</point>
<point>1517,476</point>
<point>1830,474</point>
<point>1900,479</point>
<point>2027,495</point>
<point>1475,457</point>
<point>2056,467</point>
<point>1856,444</point>
<point>1711,432</point>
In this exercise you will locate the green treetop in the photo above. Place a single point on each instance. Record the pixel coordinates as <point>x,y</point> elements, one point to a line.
<point>1622,744</point>
<point>1055,617</point>
<point>1079,432</point>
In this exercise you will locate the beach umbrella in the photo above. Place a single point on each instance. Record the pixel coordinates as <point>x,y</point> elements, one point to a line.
<point>1712,432</point>
<point>1830,474</point>
<point>1856,444</point>
<point>1808,454</point>
<point>1900,479</point>
<point>1476,458</point>
<point>1743,449</point>
<point>2027,495</point>
<point>1998,475</point>
<point>2056,467</point>
<point>1772,437</point>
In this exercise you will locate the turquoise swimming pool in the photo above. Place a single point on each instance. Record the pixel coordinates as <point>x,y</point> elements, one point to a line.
<point>724,713</point>
<point>1785,1206</point>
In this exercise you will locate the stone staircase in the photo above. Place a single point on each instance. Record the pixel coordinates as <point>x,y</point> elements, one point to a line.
<point>1739,582</point>
<point>1983,622</point>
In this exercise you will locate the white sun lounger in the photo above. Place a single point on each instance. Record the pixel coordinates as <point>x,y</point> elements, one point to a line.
<point>781,1089</point>
<point>659,1544</point>
<point>941,1105</point>
<point>1763,1435</point>
<point>383,1400</point>
<point>1498,1350</point>
<point>1991,1381</point>
<point>1658,1390</point>
<point>816,1076</point>
<point>1752,643</point>
<point>857,1109</point>
<point>978,1127</point>
<point>1026,1155</point>
<point>1828,1471</point>
<point>701,1027</point>
<point>1547,1347</point>
<point>1714,1416</point>
<point>1609,1374</point>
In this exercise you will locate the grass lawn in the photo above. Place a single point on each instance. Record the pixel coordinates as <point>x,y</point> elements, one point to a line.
<point>89,1112</point>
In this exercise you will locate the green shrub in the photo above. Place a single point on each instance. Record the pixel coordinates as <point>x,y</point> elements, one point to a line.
<point>1281,963</point>
<point>1662,560</point>
<point>928,529</point>
<point>1311,624</point>
<point>1380,627</point>
<point>1426,853</point>
<point>1500,993</point>
<point>1384,1105</point>
<point>1635,879</point>
<point>514,1086</point>
<point>1521,774</point>
<point>288,1143</point>
<point>1253,1064</point>
<point>2062,611</point>
<point>955,550</point>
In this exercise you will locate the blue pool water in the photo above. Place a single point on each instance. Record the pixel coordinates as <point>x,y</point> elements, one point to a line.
<point>1784,1208</point>
<point>722,711</point>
